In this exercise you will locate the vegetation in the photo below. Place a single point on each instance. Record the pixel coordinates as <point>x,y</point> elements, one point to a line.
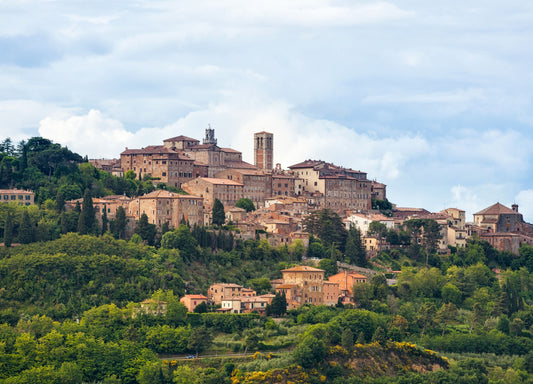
<point>80,303</point>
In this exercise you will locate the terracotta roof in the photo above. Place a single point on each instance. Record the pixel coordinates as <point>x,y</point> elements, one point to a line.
<point>302,268</point>
<point>161,193</point>
<point>286,286</point>
<point>196,297</point>
<point>181,138</point>
<point>239,165</point>
<point>21,191</point>
<point>257,133</point>
<point>230,150</point>
<point>203,146</point>
<point>213,180</point>
<point>496,209</point>
<point>306,164</point>
<point>255,172</point>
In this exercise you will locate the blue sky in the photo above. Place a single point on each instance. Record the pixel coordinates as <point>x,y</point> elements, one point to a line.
<point>434,100</point>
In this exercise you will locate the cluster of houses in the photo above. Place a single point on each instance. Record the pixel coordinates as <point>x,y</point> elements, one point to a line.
<point>207,172</point>
<point>301,285</point>
<point>283,197</point>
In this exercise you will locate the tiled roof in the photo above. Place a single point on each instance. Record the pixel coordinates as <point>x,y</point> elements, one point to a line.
<point>240,165</point>
<point>307,164</point>
<point>496,209</point>
<point>181,138</point>
<point>213,180</point>
<point>196,297</point>
<point>302,268</point>
<point>230,150</point>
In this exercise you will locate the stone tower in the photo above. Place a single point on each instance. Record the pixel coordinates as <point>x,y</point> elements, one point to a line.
<point>264,150</point>
<point>210,136</point>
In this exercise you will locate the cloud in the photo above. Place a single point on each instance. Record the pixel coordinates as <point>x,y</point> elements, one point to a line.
<point>93,134</point>
<point>524,199</point>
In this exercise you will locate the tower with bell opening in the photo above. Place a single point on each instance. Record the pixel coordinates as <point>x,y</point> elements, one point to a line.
<point>264,150</point>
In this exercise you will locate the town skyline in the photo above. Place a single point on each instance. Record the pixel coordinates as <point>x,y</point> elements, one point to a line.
<point>434,101</point>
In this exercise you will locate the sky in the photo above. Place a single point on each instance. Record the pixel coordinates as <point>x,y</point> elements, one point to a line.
<point>434,99</point>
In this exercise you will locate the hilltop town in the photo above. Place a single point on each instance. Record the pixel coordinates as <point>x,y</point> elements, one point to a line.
<point>184,248</point>
<point>283,197</point>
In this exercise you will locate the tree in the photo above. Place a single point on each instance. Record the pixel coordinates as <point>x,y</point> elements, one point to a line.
<point>145,230</point>
<point>104,220</point>
<point>199,340</point>
<point>201,308</point>
<point>87,216</point>
<point>347,339</point>
<point>25,229</point>
<point>328,226</point>
<point>219,216</point>
<point>355,252</point>
<point>60,202</point>
<point>446,313</point>
<point>309,352</point>
<point>246,204</point>
<point>329,266</point>
<point>425,316</point>
<point>278,306</point>
<point>8,230</point>
<point>120,222</point>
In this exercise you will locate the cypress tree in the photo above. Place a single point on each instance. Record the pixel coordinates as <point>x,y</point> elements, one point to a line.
<point>60,202</point>
<point>219,216</point>
<point>26,229</point>
<point>87,212</point>
<point>120,222</point>
<point>104,220</point>
<point>8,231</point>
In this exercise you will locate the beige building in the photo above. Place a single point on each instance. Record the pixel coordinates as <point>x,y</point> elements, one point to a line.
<point>227,191</point>
<point>331,292</point>
<point>191,301</point>
<point>256,183</point>
<point>456,233</point>
<point>166,165</point>
<point>222,291</point>
<point>18,196</point>
<point>339,189</point>
<point>167,207</point>
<point>309,280</point>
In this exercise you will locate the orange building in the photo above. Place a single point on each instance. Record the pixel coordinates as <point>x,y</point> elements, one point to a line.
<point>346,280</point>
<point>191,301</point>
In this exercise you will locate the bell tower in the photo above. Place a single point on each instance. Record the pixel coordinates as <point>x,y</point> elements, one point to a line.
<point>264,150</point>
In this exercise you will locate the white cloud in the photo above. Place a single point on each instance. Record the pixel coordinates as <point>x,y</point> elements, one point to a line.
<point>524,199</point>
<point>93,134</point>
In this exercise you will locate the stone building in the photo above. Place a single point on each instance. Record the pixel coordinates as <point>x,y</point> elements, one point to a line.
<point>504,228</point>
<point>166,165</point>
<point>18,196</point>
<point>256,183</point>
<point>283,183</point>
<point>167,207</point>
<point>222,291</point>
<point>378,191</point>
<point>331,292</point>
<point>309,280</point>
<point>339,189</point>
<point>227,191</point>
